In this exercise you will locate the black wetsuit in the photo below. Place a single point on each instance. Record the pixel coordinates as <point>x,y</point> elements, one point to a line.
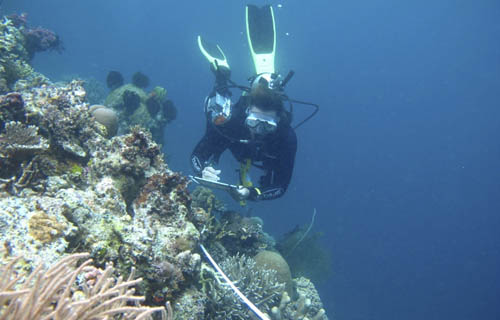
<point>275,154</point>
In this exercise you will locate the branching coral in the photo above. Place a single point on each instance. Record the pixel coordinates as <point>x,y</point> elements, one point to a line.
<point>300,309</point>
<point>259,285</point>
<point>56,294</point>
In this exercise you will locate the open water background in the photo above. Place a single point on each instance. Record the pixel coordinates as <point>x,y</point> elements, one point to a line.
<point>402,162</point>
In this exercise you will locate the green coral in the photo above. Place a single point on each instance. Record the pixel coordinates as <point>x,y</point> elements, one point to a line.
<point>159,93</point>
<point>76,169</point>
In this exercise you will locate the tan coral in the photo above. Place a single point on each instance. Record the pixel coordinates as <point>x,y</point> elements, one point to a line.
<point>45,228</point>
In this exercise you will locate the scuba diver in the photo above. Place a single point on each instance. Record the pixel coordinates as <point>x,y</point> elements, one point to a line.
<point>257,128</point>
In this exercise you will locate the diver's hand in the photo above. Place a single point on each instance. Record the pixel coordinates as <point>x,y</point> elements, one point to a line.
<point>210,173</point>
<point>222,74</point>
<point>239,194</point>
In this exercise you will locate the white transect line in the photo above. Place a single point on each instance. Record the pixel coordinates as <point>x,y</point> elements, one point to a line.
<point>235,289</point>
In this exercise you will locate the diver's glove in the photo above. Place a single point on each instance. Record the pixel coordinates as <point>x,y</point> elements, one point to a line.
<point>222,74</point>
<point>209,173</point>
<point>240,194</point>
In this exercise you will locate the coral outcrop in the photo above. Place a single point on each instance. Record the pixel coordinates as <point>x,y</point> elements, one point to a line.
<point>19,44</point>
<point>137,107</point>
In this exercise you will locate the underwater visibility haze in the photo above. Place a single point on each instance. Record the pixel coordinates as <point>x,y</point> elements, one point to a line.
<point>401,164</point>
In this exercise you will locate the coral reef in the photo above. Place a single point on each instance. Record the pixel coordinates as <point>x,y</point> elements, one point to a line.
<point>238,234</point>
<point>19,43</point>
<point>258,285</point>
<point>71,182</point>
<point>306,306</point>
<point>266,259</point>
<point>18,140</point>
<point>13,56</point>
<point>36,39</point>
<point>113,197</point>
<point>11,108</point>
<point>66,291</point>
<point>41,39</point>
<point>96,91</point>
<point>205,199</point>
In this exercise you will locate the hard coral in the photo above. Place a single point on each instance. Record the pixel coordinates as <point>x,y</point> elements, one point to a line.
<point>13,56</point>
<point>306,306</point>
<point>65,118</point>
<point>105,116</point>
<point>45,228</point>
<point>18,20</point>
<point>11,108</point>
<point>258,285</point>
<point>271,260</point>
<point>241,234</point>
<point>164,192</point>
<point>140,143</point>
<point>19,139</point>
<point>40,39</point>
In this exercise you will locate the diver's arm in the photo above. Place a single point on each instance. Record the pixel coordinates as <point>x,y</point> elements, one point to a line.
<point>208,149</point>
<point>279,175</point>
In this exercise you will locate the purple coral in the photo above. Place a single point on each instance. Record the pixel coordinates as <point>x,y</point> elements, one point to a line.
<point>18,20</point>
<point>40,39</point>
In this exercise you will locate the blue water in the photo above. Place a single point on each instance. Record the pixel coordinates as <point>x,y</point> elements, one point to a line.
<point>402,162</point>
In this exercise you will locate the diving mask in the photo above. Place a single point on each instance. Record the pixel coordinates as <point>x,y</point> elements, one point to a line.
<point>260,123</point>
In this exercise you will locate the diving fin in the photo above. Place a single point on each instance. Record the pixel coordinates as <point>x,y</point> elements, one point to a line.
<point>261,35</point>
<point>214,55</point>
